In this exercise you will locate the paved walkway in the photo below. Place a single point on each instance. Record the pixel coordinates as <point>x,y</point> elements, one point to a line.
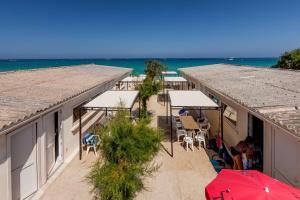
<point>72,184</point>
<point>182,177</point>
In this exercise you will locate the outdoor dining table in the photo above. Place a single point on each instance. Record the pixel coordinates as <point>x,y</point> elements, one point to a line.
<point>189,123</point>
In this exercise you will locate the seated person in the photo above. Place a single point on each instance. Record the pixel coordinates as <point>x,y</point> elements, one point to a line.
<point>237,159</point>
<point>241,146</point>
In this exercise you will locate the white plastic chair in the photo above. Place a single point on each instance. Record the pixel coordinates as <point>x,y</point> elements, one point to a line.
<point>200,137</point>
<point>188,141</point>
<point>92,143</point>
<point>205,129</point>
<point>180,132</point>
<point>176,124</point>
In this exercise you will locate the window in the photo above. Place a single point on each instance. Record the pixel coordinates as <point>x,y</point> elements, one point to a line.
<point>76,112</point>
<point>230,114</point>
<point>214,98</point>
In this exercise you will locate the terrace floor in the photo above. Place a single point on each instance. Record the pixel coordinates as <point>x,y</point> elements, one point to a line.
<point>182,177</point>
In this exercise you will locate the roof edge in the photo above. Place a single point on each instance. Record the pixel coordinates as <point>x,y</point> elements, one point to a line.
<point>13,126</point>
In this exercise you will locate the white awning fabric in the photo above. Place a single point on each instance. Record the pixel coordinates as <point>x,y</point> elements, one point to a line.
<point>133,79</point>
<point>175,79</point>
<point>191,98</point>
<point>169,73</point>
<point>114,99</point>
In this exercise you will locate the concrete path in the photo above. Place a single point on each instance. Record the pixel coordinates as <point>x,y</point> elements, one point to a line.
<point>182,177</point>
<point>71,183</point>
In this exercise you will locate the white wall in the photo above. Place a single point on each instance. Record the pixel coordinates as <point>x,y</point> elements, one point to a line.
<point>3,168</point>
<point>268,138</point>
<point>286,159</point>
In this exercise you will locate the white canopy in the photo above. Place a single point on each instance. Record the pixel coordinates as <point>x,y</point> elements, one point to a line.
<point>188,98</point>
<point>133,79</point>
<point>114,99</point>
<point>174,79</point>
<point>169,73</point>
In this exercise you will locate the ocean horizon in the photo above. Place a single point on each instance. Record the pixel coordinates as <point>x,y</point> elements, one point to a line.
<point>138,64</point>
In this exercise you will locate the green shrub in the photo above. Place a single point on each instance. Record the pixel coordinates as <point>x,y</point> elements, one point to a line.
<point>127,150</point>
<point>115,181</point>
<point>146,90</point>
<point>289,60</point>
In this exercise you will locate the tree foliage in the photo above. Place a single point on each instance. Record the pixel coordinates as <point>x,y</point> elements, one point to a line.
<point>127,150</point>
<point>146,90</point>
<point>289,60</point>
<point>151,85</point>
<point>154,69</point>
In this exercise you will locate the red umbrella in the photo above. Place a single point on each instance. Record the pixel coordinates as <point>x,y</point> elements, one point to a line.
<point>248,184</point>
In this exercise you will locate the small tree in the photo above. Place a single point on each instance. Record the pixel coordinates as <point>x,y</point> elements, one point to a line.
<point>289,60</point>
<point>146,90</point>
<point>127,150</point>
<point>150,86</point>
<point>154,69</point>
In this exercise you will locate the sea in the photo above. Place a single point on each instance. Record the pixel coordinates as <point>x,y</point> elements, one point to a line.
<point>138,65</point>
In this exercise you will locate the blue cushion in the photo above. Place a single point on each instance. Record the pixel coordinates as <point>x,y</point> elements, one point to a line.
<point>182,111</point>
<point>85,138</point>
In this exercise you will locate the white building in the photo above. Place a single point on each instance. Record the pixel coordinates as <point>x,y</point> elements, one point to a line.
<point>38,121</point>
<point>259,102</point>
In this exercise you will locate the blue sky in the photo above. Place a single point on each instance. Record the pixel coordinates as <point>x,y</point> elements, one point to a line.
<point>138,28</point>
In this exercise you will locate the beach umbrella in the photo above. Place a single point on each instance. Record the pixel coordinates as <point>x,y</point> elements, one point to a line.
<point>248,184</point>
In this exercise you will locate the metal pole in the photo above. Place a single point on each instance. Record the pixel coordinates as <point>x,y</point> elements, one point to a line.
<point>106,111</point>
<point>130,113</point>
<point>167,109</point>
<point>171,132</point>
<point>222,134</point>
<point>164,89</point>
<point>200,113</point>
<point>80,135</point>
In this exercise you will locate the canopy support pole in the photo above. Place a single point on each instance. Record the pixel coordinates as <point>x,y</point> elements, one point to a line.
<point>167,113</point>
<point>164,89</point>
<point>171,131</point>
<point>130,113</point>
<point>222,123</point>
<point>80,135</point>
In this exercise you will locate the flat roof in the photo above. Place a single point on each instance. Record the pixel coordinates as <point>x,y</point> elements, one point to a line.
<point>134,79</point>
<point>255,88</point>
<point>114,99</point>
<point>169,73</point>
<point>190,98</point>
<point>26,93</point>
<point>174,79</point>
